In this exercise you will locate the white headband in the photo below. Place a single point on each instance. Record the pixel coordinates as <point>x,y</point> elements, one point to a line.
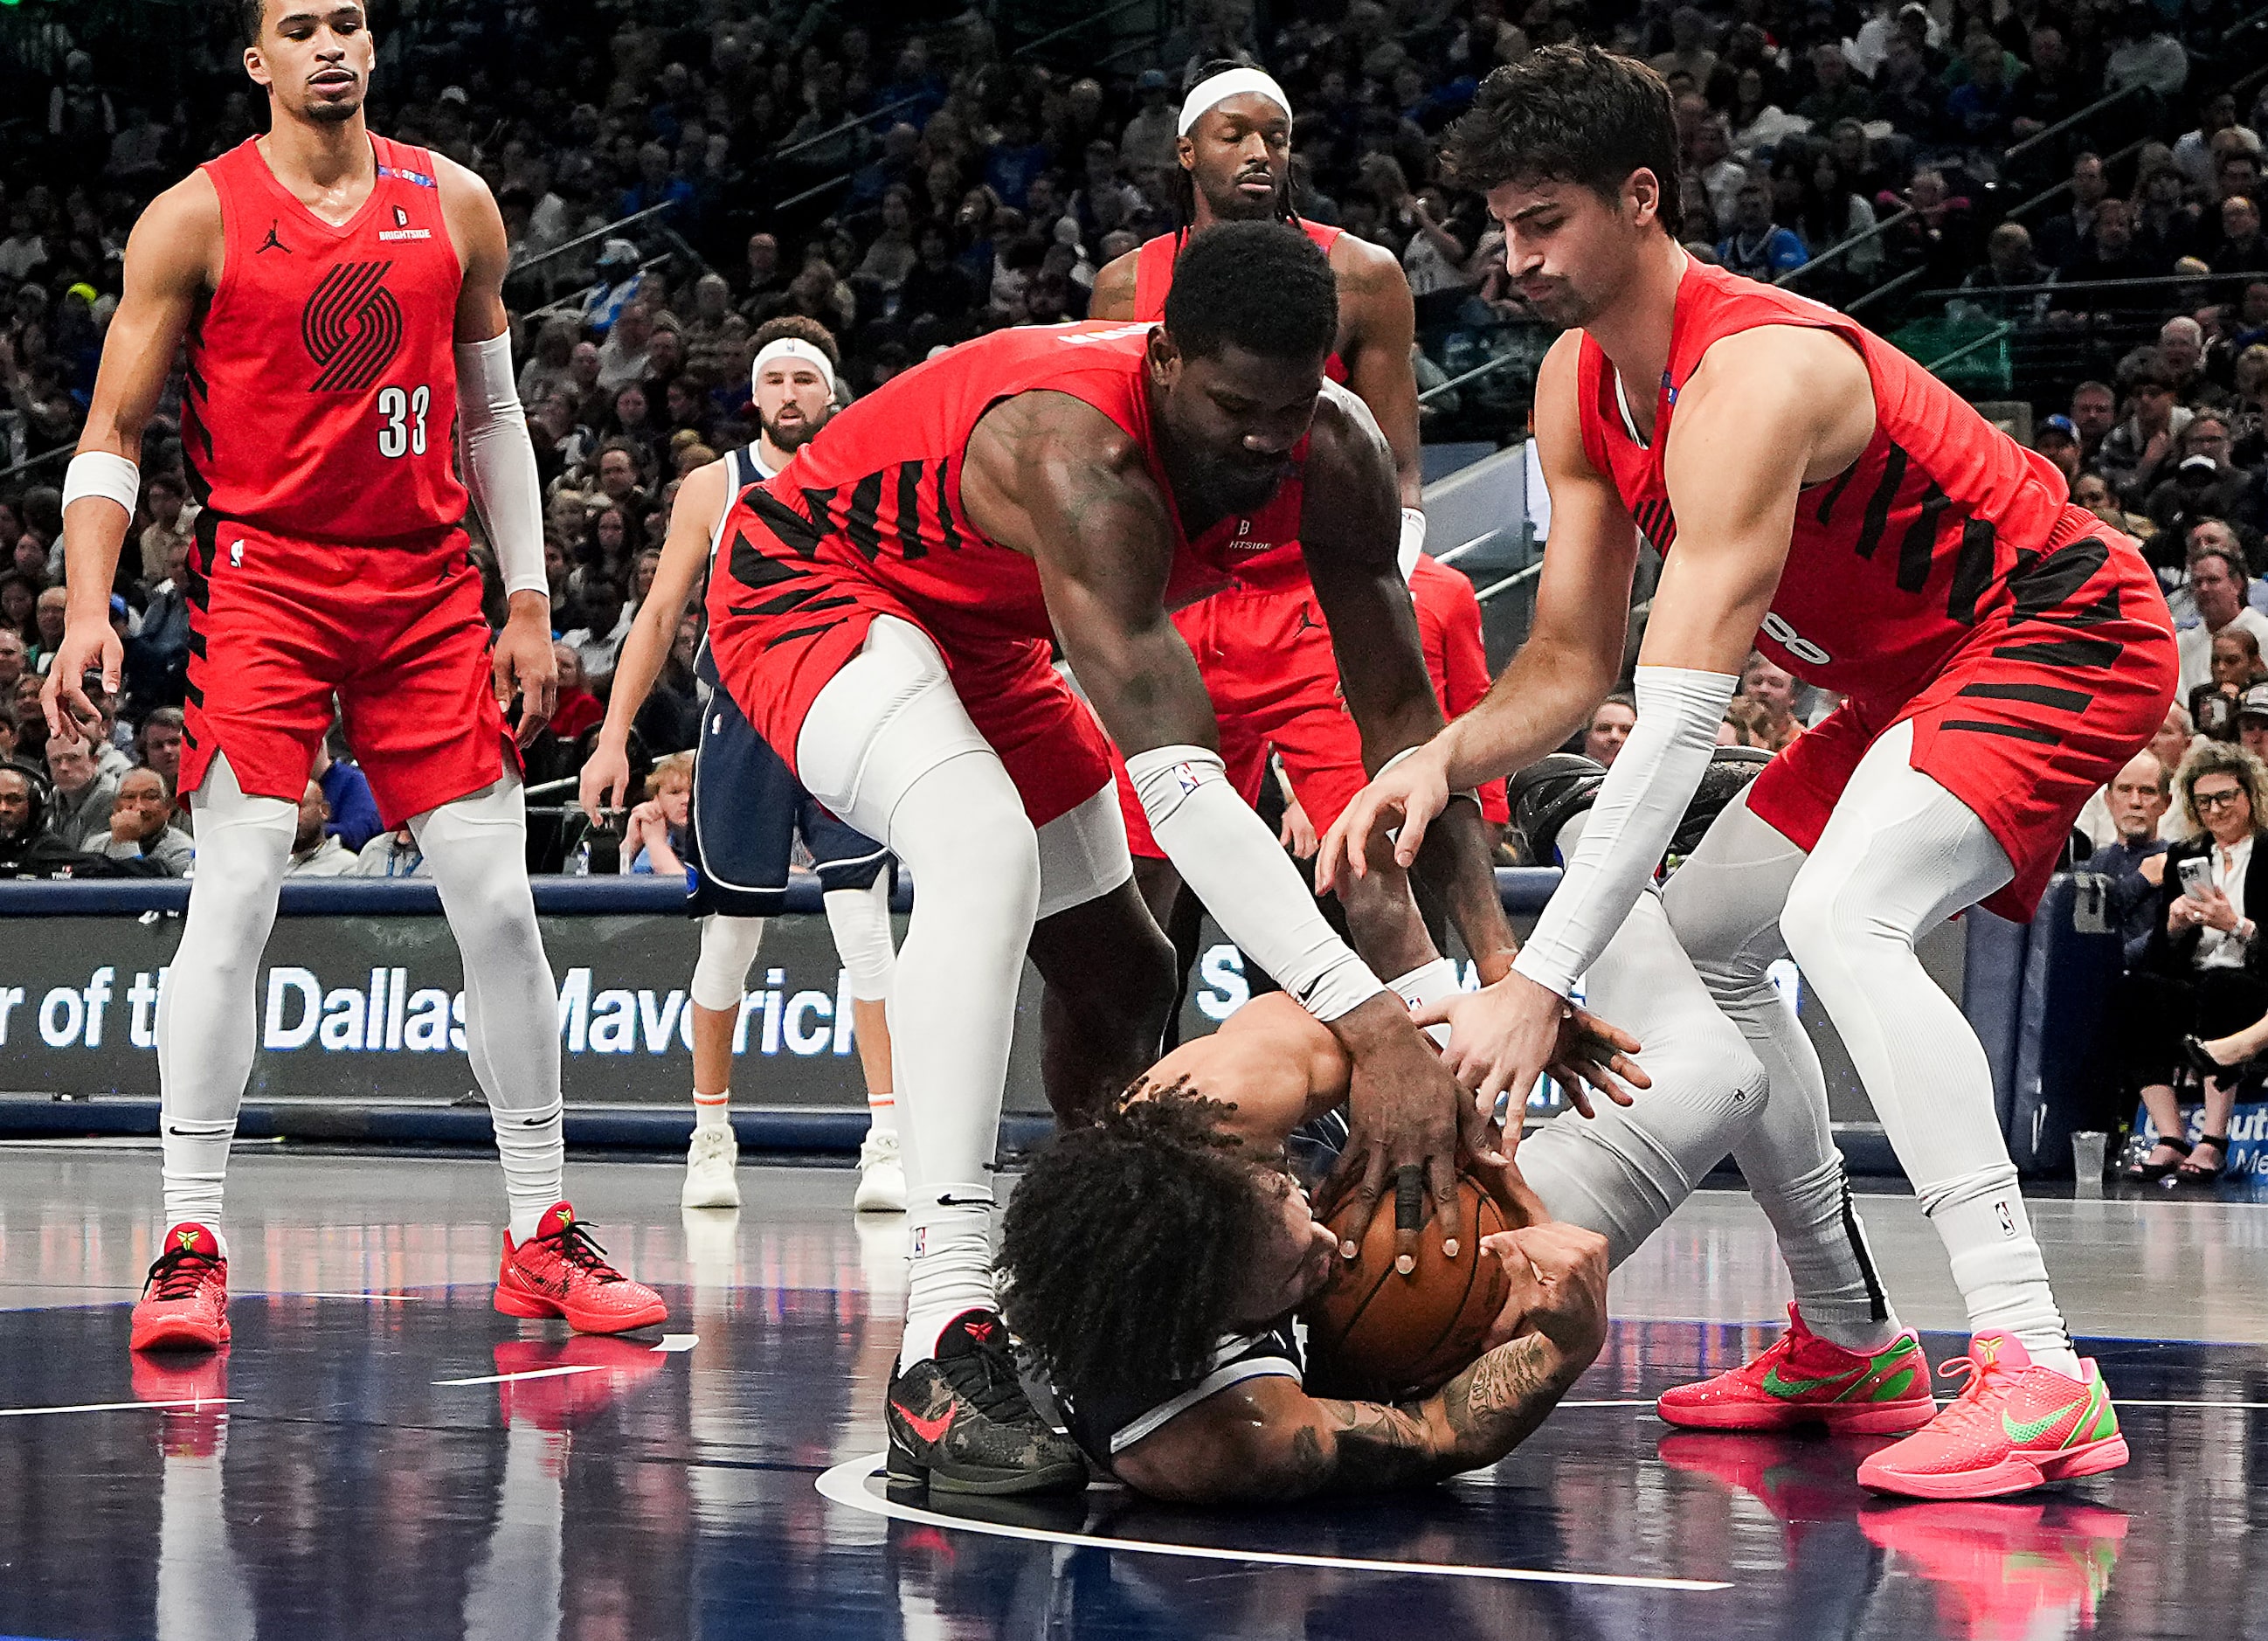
<point>790,348</point>
<point>1208,95</point>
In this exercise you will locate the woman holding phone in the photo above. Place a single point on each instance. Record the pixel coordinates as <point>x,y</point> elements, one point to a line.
<point>2205,970</point>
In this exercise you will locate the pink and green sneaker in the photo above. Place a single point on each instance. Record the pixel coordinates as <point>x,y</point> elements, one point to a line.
<point>1804,1380</point>
<point>2014,1426</point>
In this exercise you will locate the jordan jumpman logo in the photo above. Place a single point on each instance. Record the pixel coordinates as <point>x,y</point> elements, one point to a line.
<point>273,242</point>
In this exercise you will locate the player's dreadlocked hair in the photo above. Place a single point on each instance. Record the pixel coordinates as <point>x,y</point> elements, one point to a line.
<point>1125,1245</point>
<point>1263,285</point>
<point>1569,113</point>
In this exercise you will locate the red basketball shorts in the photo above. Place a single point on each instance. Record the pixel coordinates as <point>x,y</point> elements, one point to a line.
<point>782,624</point>
<point>2044,701</point>
<point>279,629</point>
<point>1265,656</point>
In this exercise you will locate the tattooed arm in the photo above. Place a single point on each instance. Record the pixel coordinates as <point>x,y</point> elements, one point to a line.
<point>1267,1440</point>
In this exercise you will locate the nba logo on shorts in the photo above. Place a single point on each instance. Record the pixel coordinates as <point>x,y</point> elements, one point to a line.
<point>2007,1219</point>
<point>236,553</point>
<point>921,1240</point>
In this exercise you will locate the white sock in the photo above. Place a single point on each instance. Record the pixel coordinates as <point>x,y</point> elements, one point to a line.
<point>712,1111</point>
<point>477,850</point>
<point>208,1025</point>
<point>1837,1293</point>
<point>1996,1263</point>
<point>881,1114</point>
<point>950,1249</point>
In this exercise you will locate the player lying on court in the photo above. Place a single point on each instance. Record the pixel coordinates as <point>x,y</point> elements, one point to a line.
<point>1153,1262</point>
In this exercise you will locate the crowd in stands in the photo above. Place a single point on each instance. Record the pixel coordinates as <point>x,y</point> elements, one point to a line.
<point>902,182</point>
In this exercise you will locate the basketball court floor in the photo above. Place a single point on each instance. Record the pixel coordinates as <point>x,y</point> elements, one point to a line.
<point>381,1454</point>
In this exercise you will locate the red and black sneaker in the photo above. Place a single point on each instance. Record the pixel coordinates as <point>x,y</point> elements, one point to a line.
<point>184,1305</point>
<point>562,1271</point>
<point>960,1422</point>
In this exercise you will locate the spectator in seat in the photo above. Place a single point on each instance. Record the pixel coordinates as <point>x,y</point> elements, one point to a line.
<point>1835,93</point>
<point>2063,235</point>
<point>2094,413</point>
<point>157,663</point>
<point>2181,344</point>
<point>2194,151</point>
<point>1712,160</point>
<point>2005,288</point>
<point>141,825</point>
<point>346,792</point>
<point>2136,800</point>
<point>2136,453</point>
<point>157,746</point>
<point>1980,112</point>
<point>653,834</point>
<point>2094,492</point>
<point>578,709</point>
<point>28,849</point>
<point>1149,141</point>
<point>2057,440</point>
<point>2148,54</point>
<point>2218,584</point>
<point>173,516</point>
<point>12,662</point>
<point>2204,972</point>
<point>1611,723</point>
<point>2166,226</point>
<point>2202,484</point>
<point>79,813</point>
<point>1758,246</point>
<point>2236,669</point>
<point>316,851</point>
<point>2243,248</point>
<point>2052,87</point>
<point>1771,691</point>
<point>938,288</point>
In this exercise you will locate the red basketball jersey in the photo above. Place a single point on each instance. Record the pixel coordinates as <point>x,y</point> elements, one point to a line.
<point>879,489</point>
<point>322,388</point>
<point>1893,562</point>
<point>1153,276</point>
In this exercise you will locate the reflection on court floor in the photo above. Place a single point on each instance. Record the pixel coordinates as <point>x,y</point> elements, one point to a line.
<point>384,1455</point>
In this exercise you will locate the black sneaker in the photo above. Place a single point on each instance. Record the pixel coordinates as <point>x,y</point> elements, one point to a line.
<point>960,1421</point>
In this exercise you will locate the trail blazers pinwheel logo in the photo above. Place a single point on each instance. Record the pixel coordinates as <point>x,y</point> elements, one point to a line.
<point>352,327</point>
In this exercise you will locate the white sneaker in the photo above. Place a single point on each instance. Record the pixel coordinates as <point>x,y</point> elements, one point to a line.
<point>881,1177</point>
<point>709,1164</point>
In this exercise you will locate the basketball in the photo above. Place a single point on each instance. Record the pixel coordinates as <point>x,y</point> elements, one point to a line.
<point>1376,1335</point>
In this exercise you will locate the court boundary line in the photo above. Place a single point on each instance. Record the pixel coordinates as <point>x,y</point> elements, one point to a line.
<point>845,1484</point>
<point>120,1406</point>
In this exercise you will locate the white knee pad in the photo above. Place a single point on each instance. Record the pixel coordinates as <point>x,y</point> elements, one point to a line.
<point>859,919</point>
<point>1083,854</point>
<point>728,947</point>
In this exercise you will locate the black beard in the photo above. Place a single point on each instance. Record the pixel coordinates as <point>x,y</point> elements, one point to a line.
<point>1231,206</point>
<point>787,441</point>
<point>333,113</point>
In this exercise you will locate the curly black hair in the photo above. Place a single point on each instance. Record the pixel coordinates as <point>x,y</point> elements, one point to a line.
<point>1126,1245</point>
<point>1569,113</point>
<point>1264,286</point>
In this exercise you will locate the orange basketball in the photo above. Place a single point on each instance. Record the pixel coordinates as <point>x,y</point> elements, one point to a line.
<point>1379,1336</point>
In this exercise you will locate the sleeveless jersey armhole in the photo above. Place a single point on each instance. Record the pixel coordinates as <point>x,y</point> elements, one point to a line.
<point>232,239</point>
<point>1590,405</point>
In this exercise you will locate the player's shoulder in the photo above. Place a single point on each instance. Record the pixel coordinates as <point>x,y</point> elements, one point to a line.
<point>1794,365</point>
<point>1115,282</point>
<point>190,206</point>
<point>1364,268</point>
<point>177,241</point>
<point>460,185</point>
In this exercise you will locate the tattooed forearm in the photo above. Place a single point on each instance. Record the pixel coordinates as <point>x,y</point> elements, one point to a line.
<point>1494,1403</point>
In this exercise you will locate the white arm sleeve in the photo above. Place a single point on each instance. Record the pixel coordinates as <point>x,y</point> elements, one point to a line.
<point>1413,539</point>
<point>1630,823</point>
<point>1226,854</point>
<point>500,461</point>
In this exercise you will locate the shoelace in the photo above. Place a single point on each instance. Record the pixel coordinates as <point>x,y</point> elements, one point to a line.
<point>579,1248</point>
<point>996,1386</point>
<point>180,1272</point>
<point>1966,1411</point>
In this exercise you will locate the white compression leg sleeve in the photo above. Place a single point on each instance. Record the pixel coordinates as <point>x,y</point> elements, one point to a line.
<point>1623,1173</point>
<point>477,849</point>
<point>889,746</point>
<point>859,920</point>
<point>208,1014</point>
<point>1724,905</point>
<point>728,949</point>
<point>1901,855</point>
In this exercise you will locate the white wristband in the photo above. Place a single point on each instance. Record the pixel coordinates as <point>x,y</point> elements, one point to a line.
<point>1430,984</point>
<point>1632,821</point>
<point>1413,539</point>
<point>99,472</point>
<point>1228,856</point>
